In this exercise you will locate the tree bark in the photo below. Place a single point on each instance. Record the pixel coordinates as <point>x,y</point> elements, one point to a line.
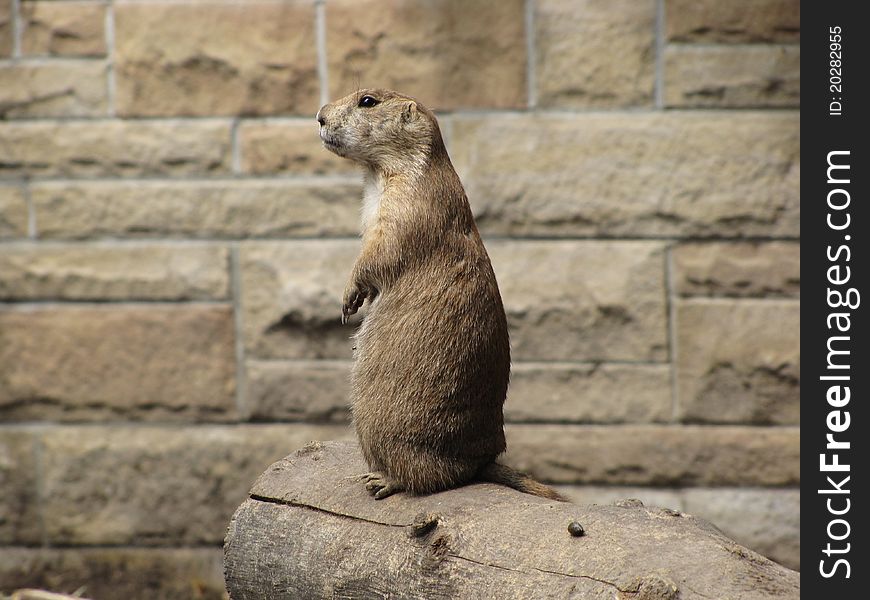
<point>310,530</point>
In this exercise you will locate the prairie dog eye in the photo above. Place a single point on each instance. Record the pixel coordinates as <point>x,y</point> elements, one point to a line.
<point>368,102</point>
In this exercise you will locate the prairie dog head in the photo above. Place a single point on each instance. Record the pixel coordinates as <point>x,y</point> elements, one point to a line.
<point>380,129</point>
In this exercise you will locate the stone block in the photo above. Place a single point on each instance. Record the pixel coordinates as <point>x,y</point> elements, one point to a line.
<point>19,502</point>
<point>595,54</point>
<point>107,362</point>
<point>114,272</point>
<point>449,54</point>
<point>130,573</point>
<point>6,33</point>
<point>158,486</point>
<point>68,89</point>
<point>63,28</point>
<point>656,455</point>
<point>250,58</point>
<point>632,174</point>
<point>108,148</point>
<point>287,147</point>
<point>13,212</point>
<point>738,361</point>
<point>291,298</point>
<point>732,76</point>
<point>588,393</point>
<point>196,209</point>
<point>564,300</point>
<point>737,21</point>
<point>739,269</point>
<point>305,390</point>
<point>583,300</point>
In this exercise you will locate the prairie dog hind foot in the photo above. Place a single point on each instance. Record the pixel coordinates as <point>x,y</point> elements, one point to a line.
<point>380,485</point>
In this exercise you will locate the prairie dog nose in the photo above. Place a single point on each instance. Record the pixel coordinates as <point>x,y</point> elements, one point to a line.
<point>320,118</point>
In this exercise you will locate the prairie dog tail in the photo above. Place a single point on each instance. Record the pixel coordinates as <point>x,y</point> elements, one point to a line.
<point>503,475</point>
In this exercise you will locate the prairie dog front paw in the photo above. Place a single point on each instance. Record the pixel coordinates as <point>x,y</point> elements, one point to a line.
<point>353,300</point>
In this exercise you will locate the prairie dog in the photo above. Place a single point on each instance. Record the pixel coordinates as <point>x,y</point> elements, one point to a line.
<point>432,358</point>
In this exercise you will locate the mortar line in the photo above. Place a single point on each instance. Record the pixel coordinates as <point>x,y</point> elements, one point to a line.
<point>238,325</point>
<point>235,149</point>
<point>320,37</point>
<point>447,131</point>
<point>531,56</point>
<point>110,58</point>
<point>52,61</point>
<point>660,51</point>
<point>670,303</point>
<point>17,29</point>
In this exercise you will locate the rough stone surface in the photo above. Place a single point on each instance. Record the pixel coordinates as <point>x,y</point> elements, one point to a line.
<point>196,209</point>
<point>447,53</point>
<point>640,174</point>
<point>19,503</point>
<point>13,212</point>
<point>595,54</point>
<point>280,390</point>
<point>738,361</point>
<point>63,28</point>
<point>6,36</point>
<point>114,148</point>
<point>317,390</point>
<point>130,573</point>
<point>768,521</point>
<point>723,76</point>
<point>287,147</point>
<point>291,298</point>
<point>588,393</point>
<point>107,361</point>
<point>124,485</point>
<point>114,272</point>
<point>583,300</point>
<point>740,269</point>
<point>70,89</point>
<point>216,58</point>
<point>657,455</point>
<point>738,21</point>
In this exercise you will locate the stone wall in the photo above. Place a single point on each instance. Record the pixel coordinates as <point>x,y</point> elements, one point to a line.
<point>174,243</point>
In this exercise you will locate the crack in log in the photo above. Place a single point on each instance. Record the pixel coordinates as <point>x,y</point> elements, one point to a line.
<point>456,556</point>
<point>325,511</point>
<point>495,566</point>
<point>602,581</point>
<point>483,564</point>
<point>694,591</point>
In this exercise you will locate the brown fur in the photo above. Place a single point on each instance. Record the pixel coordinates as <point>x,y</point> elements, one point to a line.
<point>432,355</point>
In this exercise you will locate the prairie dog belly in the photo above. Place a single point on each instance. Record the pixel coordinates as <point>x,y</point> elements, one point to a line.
<point>425,371</point>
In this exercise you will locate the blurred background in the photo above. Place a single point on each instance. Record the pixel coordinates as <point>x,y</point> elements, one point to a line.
<point>174,243</point>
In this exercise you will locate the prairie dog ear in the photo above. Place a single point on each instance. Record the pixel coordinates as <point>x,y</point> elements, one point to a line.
<point>410,111</point>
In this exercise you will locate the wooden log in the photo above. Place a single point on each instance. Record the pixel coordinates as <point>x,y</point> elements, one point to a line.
<point>310,530</point>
